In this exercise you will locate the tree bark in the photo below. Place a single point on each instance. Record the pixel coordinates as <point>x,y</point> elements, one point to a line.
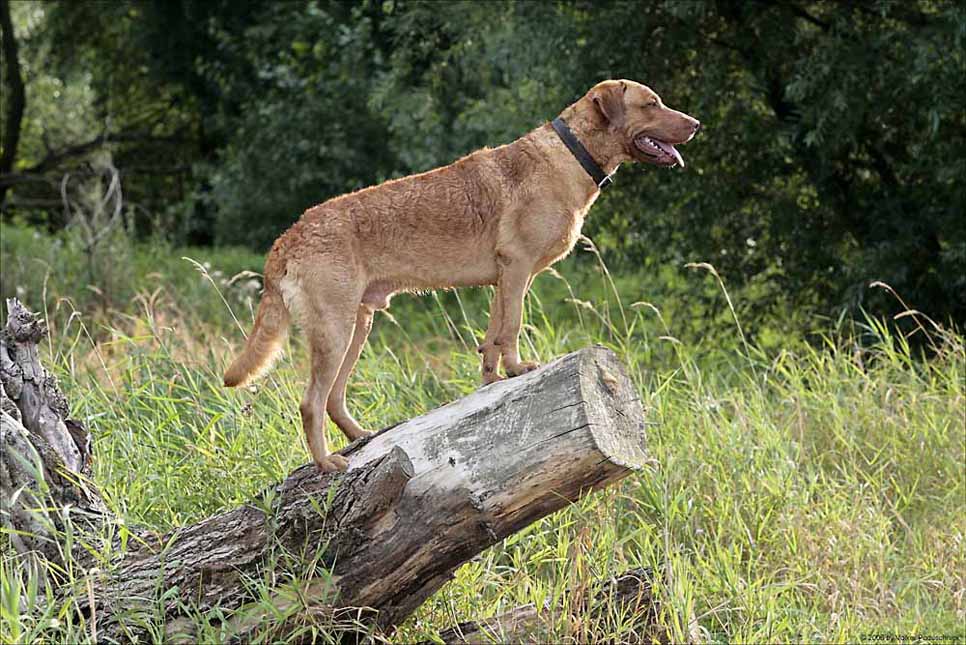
<point>14,91</point>
<point>367,546</point>
<point>46,456</point>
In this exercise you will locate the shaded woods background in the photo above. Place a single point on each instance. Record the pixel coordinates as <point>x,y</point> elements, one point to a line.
<point>833,150</point>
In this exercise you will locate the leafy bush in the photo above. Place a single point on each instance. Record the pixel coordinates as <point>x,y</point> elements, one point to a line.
<point>832,145</point>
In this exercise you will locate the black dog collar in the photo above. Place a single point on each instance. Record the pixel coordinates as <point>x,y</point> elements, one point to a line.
<point>580,153</point>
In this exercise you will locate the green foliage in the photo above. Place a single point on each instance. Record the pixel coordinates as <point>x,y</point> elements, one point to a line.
<point>833,138</point>
<point>833,134</point>
<point>302,128</point>
<point>798,495</point>
<point>810,484</point>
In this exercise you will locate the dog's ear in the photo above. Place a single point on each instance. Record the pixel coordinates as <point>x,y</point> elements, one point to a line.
<point>609,101</point>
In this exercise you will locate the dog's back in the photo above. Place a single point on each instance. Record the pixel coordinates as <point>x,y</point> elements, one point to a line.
<point>496,217</point>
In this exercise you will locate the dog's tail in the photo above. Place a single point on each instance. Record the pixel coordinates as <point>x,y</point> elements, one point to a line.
<point>265,341</point>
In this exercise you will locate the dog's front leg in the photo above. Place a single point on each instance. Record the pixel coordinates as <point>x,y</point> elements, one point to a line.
<point>515,279</point>
<point>489,350</point>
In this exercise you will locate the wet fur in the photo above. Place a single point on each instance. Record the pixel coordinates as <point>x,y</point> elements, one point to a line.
<point>495,217</point>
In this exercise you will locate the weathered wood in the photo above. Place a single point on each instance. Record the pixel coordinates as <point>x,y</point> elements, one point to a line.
<point>45,463</point>
<point>418,500</point>
<point>490,464</point>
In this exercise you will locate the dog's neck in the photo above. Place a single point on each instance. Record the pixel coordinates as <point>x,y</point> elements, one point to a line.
<point>593,133</point>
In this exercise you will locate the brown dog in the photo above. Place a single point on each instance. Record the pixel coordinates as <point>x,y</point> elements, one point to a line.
<point>495,217</point>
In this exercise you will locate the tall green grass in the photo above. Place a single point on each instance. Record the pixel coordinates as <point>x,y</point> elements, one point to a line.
<point>804,492</point>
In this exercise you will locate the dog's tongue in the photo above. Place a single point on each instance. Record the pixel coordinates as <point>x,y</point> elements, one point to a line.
<point>671,150</point>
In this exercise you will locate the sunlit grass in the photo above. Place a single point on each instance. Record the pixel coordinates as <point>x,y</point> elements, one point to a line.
<point>813,493</point>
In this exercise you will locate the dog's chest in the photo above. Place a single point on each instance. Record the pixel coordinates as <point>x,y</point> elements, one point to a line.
<point>563,236</point>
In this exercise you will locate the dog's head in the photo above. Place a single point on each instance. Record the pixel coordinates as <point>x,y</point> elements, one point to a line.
<point>646,128</point>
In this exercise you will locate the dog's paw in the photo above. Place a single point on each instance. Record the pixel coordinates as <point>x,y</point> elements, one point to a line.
<point>521,368</point>
<point>490,377</point>
<point>356,434</point>
<point>332,463</point>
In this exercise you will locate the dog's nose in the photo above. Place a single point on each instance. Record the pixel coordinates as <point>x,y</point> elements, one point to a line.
<point>697,126</point>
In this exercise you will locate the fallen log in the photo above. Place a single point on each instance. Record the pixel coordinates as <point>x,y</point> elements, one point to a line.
<point>366,547</point>
<point>624,604</point>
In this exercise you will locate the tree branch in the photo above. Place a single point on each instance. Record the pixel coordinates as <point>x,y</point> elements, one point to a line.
<point>54,158</point>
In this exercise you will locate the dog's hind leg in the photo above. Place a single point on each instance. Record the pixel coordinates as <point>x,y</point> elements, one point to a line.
<point>336,405</point>
<point>329,338</point>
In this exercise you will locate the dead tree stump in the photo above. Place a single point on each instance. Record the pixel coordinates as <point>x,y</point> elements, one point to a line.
<point>419,498</point>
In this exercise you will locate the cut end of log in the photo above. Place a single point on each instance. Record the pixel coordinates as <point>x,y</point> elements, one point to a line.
<point>614,404</point>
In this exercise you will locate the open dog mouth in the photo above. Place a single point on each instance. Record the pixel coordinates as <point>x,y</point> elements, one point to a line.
<point>658,152</point>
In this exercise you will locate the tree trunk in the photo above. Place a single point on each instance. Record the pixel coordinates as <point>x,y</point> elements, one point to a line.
<point>14,93</point>
<point>367,546</point>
